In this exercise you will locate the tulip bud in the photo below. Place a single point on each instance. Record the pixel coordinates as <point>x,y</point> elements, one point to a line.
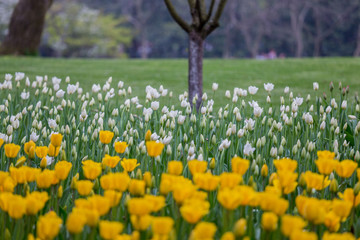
<point>334,185</point>
<point>240,227</point>
<point>264,170</point>
<point>60,192</point>
<point>212,163</point>
<point>43,162</point>
<point>357,188</point>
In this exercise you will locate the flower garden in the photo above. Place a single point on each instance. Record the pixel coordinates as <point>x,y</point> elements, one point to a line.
<point>106,165</point>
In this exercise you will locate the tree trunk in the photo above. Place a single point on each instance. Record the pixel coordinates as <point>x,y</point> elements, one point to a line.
<point>26,27</point>
<point>196,50</point>
<point>357,50</point>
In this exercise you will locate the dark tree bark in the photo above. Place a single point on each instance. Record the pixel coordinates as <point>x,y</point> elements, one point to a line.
<point>26,27</point>
<point>204,21</point>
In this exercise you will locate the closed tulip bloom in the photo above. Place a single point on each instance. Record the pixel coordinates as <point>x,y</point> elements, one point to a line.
<point>129,164</point>
<point>115,181</point>
<point>204,230</point>
<point>113,196</point>
<point>11,150</point>
<point>326,166</point>
<point>147,179</point>
<point>41,152</point>
<point>316,181</point>
<point>291,223</point>
<point>53,151</point>
<point>286,164</point>
<point>30,173</point>
<point>229,199</point>
<point>194,210</point>
<point>154,148</point>
<point>240,227</point>
<point>287,180</point>
<point>141,222</point>
<point>110,161</point>
<point>110,229</point>
<point>106,136</point>
<point>311,209</point>
<point>18,174</point>
<point>56,139</point>
<point>120,147</point>
<point>175,167</point>
<point>183,191</point>
<point>75,222</point>
<point>206,181</point>
<point>137,187</point>
<point>139,206</point>
<point>148,135</point>
<point>29,148</point>
<point>228,236</point>
<point>332,221</point>
<point>48,226</point>
<point>91,169</point>
<point>46,178</point>
<point>8,184</point>
<point>346,168</point>
<point>62,169</point>
<point>274,203</point>
<point>162,225</point>
<point>84,187</point>
<point>264,170</point>
<point>197,166</point>
<point>269,221</point>
<point>239,165</point>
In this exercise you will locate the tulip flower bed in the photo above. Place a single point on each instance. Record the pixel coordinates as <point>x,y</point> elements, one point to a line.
<point>103,165</point>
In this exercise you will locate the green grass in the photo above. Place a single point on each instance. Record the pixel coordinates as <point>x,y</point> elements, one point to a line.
<point>298,74</point>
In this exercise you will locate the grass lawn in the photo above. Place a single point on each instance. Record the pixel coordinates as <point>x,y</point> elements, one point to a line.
<point>298,74</point>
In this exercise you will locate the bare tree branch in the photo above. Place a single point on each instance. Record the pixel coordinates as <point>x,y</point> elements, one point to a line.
<point>176,16</point>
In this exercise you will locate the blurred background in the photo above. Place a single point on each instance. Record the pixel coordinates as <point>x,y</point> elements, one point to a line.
<point>262,29</point>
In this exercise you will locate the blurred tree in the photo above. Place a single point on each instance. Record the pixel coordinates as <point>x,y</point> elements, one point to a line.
<point>74,30</point>
<point>26,27</point>
<point>204,20</point>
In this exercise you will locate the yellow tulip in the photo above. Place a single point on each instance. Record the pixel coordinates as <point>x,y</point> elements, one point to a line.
<point>301,235</point>
<point>316,181</point>
<point>120,147</point>
<point>264,170</point>
<point>75,222</point>
<point>137,187</point>
<point>62,169</point>
<point>1,142</point>
<point>326,155</point>
<point>16,206</point>
<point>110,229</point>
<point>287,180</point>
<point>100,204</point>
<point>91,169</point>
<point>269,221</point>
<point>156,202</point>
<point>162,225</point>
<point>175,167</point>
<point>291,223</point>
<point>115,181</point>
<point>18,174</point>
<point>192,211</point>
<point>286,164</point>
<point>239,165</point>
<point>338,236</point>
<point>84,187</point>
<point>35,201</point>
<point>229,180</point>
<point>53,151</point>
<point>41,152</point>
<point>332,221</point>
<point>326,166</point>
<point>56,139</point>
<point>147,135</point>
<point>346,168</point>
<point>11,150</point>
<point>154,148</point>
<point>129,164</point>
<point>147,179</point>
<point>48,226</point>
<point>206,181</point>
<point>110,161</point>
<point>106,137</point>
<point>29,148</point>
<point>113,196</point>
<point>139,206</point>
<point>349,196</point>
<point>46,178</point>
<point>204,230</point>
<point>197,166</point>
<point>342,208</point>
<point>228,236</point>
<point>92,215</point>
<point>240,227</point>
<point>141,222</point>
